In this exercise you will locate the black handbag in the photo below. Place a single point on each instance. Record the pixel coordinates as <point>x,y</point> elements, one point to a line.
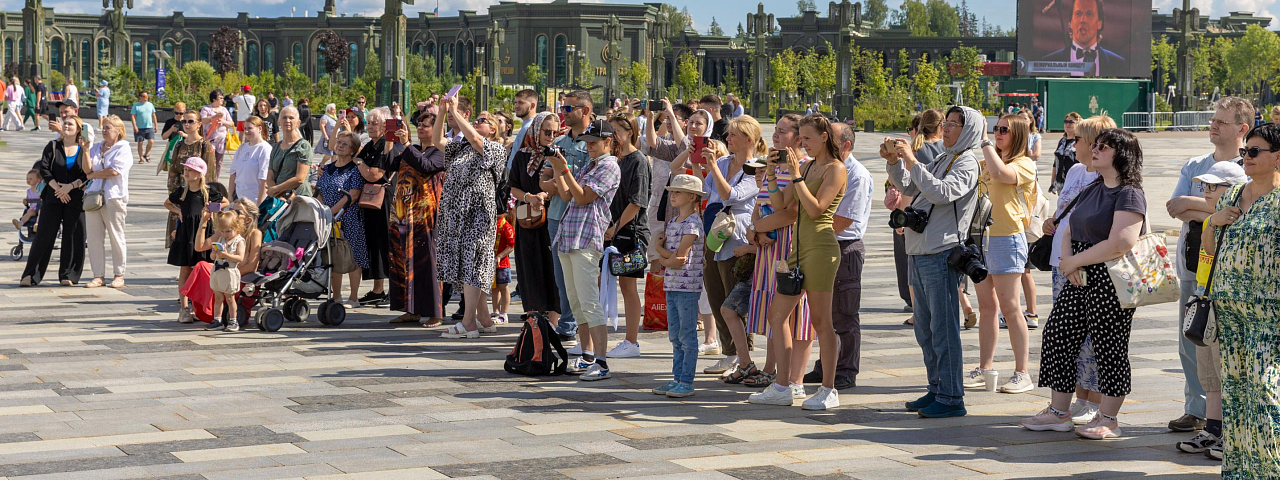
<point>1041,252</point>
<point>629,263</point>
<point>1200,323</point>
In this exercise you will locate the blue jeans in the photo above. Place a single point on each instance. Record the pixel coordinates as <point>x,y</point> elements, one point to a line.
<point>566,325</point>
<point>682,330</point>
<point>937,318</point>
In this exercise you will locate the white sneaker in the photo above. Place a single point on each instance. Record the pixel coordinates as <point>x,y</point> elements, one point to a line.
<point>576,349</point>
<point>185,316</point>
<point>772,396</point>
<point>975,379</point>
<point>709,348</point>
<point>1021,382</point>
<point>595,372</point>
<point>1085,415</point>
<point>825,398</point>
<point>625,349</point>
<point>722,366</point>
<point>797,391</point>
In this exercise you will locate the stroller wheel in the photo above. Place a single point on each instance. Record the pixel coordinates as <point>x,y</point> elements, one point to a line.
<point>296,310</point>
<point>335,315</point>
<point>271,320</point>
<point>322,312</point>
<point>16,253</point>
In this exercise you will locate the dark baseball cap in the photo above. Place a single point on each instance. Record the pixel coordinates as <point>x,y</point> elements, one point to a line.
<point>68,102</point>
<point>596,130</point>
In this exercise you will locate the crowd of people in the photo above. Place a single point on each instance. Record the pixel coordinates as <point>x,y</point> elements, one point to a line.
<point>750,236</point>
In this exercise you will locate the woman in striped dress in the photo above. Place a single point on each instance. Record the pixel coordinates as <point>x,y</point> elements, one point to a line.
<point>772,235</point>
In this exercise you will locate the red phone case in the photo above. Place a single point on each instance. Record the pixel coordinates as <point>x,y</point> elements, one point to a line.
<point>699,144</point>
<point>393,125</point>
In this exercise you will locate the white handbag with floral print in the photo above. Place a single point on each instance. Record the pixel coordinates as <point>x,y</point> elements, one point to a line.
<point>1146,275</point>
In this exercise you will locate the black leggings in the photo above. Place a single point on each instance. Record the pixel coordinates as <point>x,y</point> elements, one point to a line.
<point>1095,311</point>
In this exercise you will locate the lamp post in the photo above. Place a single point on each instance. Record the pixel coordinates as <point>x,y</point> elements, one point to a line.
<point>846,16</point>
<point>572,58</point>
<point>482,82</point>
<point>582,57</point>
<point>760,25</point>
<point>661,33</point>
<point>613,34</point>
<point>1186,20</point>
<point>702,65</point>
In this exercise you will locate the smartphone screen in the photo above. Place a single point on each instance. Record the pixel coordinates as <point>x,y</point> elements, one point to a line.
<point>699,144</point>
<point>213,207</point>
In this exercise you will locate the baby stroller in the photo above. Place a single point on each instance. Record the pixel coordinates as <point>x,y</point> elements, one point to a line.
<point>290,270</point>
<point>25,234</point>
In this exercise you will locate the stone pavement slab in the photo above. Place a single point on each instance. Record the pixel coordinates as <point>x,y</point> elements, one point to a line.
<point>104,384</point>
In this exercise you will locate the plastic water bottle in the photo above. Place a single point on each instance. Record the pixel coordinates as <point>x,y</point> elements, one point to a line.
<point>766,210</point>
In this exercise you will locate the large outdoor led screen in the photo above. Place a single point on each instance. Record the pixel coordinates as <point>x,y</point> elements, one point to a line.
<point>1084,38</point>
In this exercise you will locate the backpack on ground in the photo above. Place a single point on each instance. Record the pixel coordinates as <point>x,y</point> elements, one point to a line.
<point>538,351</point>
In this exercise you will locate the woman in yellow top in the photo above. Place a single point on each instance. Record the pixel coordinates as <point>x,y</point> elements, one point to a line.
<point>815,251</point>
<point>1009,181</point>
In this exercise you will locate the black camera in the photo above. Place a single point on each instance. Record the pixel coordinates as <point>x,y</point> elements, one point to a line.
<point>910,217</point>
<point>550,150</point>
<point>967,259</point>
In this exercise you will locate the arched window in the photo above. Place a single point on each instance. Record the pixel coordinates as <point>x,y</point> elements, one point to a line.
<point>139,59</point>
<point>353,61</point>
<point>417,48</point>
<point>188,52</point>
<point>204,53</point>
<point>320,70</point>
<point>460,58</point>
<point>151,46</point>
<point>431,50</point>
<point>55,56</point>
<point>168,48</point>
<point>8,51</point>
<point>562,60</point>
<point>540,53</point>
<point>269,57</point>
<point>251,58</point>
<point>104,50</point>
<point>297,55</point>
<point>86,62</point>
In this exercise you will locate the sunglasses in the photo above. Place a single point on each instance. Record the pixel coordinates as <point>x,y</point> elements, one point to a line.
<point>359,103</point>
<point>567,108</point>
<point>480,121</point>
<point>1253,152</point>
<point>1001,130</point>
<point>1098,147</point>
<point>188,122</point>
<point>1068,122</point>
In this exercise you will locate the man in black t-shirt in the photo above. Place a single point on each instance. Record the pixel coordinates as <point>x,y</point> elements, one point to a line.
<point>42,99</point>
<point>719,125</point>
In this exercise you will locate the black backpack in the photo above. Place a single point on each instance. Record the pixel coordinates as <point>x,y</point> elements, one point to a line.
<point>537,349</point>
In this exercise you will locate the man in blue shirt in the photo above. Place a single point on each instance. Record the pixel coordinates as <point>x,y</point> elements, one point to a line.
<point>143,116</point>
<point>525,106</point>
<point>578,111</point>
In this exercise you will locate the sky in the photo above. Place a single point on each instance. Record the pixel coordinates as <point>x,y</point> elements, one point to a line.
<point>728,13</point>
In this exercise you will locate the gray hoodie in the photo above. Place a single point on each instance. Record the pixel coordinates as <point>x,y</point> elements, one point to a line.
<point>953,196</point>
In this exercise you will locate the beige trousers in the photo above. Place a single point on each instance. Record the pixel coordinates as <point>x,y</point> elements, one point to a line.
<point>106,225</point>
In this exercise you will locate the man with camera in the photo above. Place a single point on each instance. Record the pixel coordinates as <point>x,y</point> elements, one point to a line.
<point>578,112</point>
<point>937,225</point>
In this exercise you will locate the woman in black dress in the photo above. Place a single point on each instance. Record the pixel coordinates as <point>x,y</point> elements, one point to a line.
<point>304,120</point>
<point>373,160</point>
<point>415,197</point>
<point>62,206</point>
<point>188,203</point>
<point>537,286</point>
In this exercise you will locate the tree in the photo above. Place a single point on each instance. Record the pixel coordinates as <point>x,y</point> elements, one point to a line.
<point>784,72</point>
<point>225,44</point>
<point>534,74</point>
<point>715,30</point>
<point>1209,63</point>
<point>1163,60</point>
<point>586,73</point>
<point>688,78</point>
<point>914,15</point>
<point>943,19</point>
<point>817,73</point>
<point>869,65</point>
<point>335,52</point>
<point>806,6</point>
<point>680,19</point>
<point>877,13</point>
<point>968,21</point>
<point>742,34</point>
<point>1255,58</point>
<point>927,79</point>
<point>635,82</point>
<point>966,66</point>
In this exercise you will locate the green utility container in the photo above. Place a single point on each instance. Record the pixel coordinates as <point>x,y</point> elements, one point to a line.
<point>1086,96</point>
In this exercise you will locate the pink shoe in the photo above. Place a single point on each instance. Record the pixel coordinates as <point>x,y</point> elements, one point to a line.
<point>1096,430</point>
<point>1046,420</point>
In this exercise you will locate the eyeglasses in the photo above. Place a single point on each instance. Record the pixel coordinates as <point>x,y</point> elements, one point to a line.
<point>188,122</point>
<point>1000,130</point>
<point>1220,124</point>
<point>1068,122</point>
<point>567,108</point>
<point>1253,152</point>
<point>1211,187</point>
<point>951,125</point>
<point>1098,147</point>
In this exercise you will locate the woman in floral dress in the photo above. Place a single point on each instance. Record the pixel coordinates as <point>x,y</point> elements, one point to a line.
<point>1247,297</point>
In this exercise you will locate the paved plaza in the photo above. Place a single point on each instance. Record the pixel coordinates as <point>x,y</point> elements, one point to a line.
<point>105,384</point>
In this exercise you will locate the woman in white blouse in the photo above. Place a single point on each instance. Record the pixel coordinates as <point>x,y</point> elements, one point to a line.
<point>108,172</point>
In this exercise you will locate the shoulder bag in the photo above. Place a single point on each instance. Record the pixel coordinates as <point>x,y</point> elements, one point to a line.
<point>1200,323</point>
<point>1041,252</point>
<point>791,282</point>
<point>373,194</point>
<point>1145,275</point>
<point>724,225</point>
<point>528,218</point>
<point>629,263</point>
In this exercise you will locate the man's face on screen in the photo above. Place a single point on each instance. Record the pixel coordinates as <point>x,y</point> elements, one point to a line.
<point>1085,22</point>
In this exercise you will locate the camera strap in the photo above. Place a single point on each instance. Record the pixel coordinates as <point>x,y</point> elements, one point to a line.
<point>944,175</point>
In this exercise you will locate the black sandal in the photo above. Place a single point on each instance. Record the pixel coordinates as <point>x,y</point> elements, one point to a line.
<point>738,375</point>
<point>759,379</point>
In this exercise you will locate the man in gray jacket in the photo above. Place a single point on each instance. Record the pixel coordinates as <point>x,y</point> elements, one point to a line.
<point>946,192</point>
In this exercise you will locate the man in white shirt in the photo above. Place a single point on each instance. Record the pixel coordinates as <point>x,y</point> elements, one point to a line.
<point>850,224</point>
<point>1230,123</point>
<point>525,106</point>
<point>244,107</point>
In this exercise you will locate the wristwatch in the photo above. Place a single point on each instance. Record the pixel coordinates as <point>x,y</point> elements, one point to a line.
<point>987,143</point>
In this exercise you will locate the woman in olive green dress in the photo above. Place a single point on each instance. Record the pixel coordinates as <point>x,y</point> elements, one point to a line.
<point>815,251</point>
<point>1247,298</point>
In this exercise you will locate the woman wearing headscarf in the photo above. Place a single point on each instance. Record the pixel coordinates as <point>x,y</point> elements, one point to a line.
<point>537,285</point>
<point>415,198</point>
<point>375,158</point>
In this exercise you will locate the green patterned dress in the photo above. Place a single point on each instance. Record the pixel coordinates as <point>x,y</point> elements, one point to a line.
<point>1248,312</point>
